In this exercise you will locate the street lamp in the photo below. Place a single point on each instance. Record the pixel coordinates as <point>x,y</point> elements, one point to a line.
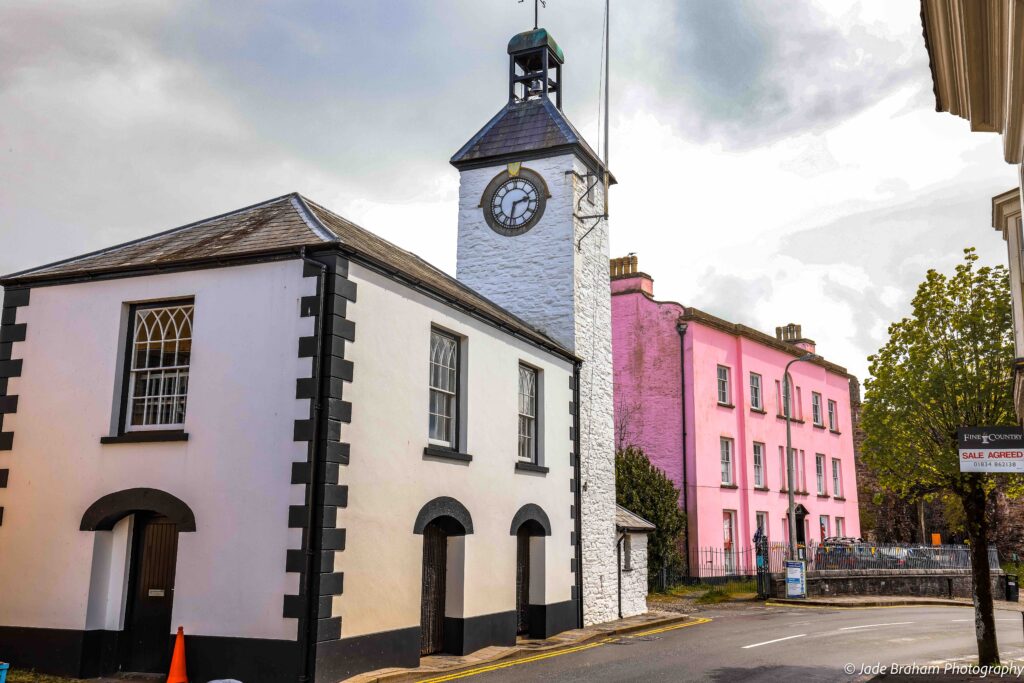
<point>790,476</point>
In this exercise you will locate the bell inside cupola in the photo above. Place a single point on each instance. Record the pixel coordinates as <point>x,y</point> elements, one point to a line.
<point>535,67</point>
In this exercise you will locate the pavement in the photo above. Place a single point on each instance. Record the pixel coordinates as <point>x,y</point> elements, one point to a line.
<point>527,650</point>
<point>767,643</point>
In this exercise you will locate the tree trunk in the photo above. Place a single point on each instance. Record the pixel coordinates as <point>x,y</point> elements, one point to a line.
<point>973,499</point>
<point>920,520</point>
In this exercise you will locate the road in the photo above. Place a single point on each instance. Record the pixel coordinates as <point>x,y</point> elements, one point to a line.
<point>771,644</point>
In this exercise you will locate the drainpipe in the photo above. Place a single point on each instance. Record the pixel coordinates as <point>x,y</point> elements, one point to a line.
<point>577,495</point>
<point>681,329</point>
<point>618,567</point>
<point>309,587</point>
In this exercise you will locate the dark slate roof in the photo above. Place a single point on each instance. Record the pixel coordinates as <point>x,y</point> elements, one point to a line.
<point>630,521</point>
<point>273,227</point>
<point>521,129</point>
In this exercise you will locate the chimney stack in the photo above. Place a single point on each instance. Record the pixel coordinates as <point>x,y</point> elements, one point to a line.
<point>793,334</point>
<point>626,276</point>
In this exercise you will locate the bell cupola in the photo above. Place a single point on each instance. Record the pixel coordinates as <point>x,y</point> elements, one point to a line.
<point>534,67</point>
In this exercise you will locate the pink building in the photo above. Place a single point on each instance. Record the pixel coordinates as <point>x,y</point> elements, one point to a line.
<point>695,389</point>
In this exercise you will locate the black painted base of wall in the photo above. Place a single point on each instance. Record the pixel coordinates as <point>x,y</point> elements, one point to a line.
<point>340,659</point>
<point>87,654</point>
<point>547,620</point>
<point>469,634</point>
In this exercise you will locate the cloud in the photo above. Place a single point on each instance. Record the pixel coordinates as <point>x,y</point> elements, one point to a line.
<point>745,73</point>
<point>731,296</point>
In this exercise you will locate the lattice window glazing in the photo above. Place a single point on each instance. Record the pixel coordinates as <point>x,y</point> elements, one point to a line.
<point>444,388</point>
<point>160,357</point>
<point>527,413</point>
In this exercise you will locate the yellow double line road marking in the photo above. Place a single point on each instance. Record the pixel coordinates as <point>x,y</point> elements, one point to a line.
<point>557,653</point>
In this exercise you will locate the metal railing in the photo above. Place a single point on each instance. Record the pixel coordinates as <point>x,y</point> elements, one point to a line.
<point>719,565</point>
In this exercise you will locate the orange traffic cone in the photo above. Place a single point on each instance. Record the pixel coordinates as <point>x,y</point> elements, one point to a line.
<point>177,674</point>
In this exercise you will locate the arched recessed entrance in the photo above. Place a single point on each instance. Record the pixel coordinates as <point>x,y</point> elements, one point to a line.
<point>439,522</point>
<point>530,525</point>
<point>156,518</point>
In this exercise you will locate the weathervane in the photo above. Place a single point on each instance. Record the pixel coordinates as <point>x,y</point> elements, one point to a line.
<point>536,11</point>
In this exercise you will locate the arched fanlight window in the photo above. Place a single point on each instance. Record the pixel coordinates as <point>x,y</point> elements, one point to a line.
<point>161,353</point>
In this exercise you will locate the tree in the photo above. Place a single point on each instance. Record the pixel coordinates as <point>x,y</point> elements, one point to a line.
<point>642,488</point>
<point>946,366</point>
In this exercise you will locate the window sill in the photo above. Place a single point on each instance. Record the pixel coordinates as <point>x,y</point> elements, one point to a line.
<point>726,405</point>
<point>792,419</point>
<point>835,431</point>
<point>531,467</point>
<point>762,411</point>
<point>824,495</point>
<point>840,499</point>
<point>730,486</point>
<point>817,426</point>
<point>446,454</point>
<point>761,488</point>
<point>154,436</point>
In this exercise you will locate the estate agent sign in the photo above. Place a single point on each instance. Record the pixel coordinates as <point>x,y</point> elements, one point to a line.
<point>991,449</point>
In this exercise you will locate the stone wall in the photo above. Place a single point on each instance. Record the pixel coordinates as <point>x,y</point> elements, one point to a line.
<point>924,583</point>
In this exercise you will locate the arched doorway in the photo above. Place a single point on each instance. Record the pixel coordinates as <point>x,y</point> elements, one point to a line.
<point>438,521</point>
<point>157,517</point>
<point>530,525</point>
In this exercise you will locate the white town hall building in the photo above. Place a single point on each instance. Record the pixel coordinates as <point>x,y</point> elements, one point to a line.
<point>314,451</point>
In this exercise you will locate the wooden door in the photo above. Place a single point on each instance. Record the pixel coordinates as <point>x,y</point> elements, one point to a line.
<point>435,560</point>
<point>522,582</point>
<point>152,595</point>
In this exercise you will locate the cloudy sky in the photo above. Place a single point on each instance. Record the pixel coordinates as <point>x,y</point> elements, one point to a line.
<point>778,161</point>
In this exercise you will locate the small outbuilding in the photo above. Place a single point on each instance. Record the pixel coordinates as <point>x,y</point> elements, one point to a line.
<point>632,530</point>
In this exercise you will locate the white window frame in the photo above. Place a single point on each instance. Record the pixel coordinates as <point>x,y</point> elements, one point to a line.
<point>529,443</point>
<point>759,470</point>
<point>833,416</point>
<point>819,472</point>
<point>816,416</point>
<point>761,522</point>
<point>450,395</point>
<point>841,527</point>
<point>728,467</point>
<point>824,527</point>
<point>837,478</point>
<point>756,392</point>
<point>724,385</point>
<point>135,370</point>
<point>729,540</point>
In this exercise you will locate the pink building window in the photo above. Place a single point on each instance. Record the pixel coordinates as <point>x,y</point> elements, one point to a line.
<point>723,386</point>
<point>729,540</point>
<point>756,399</point>
<point>759,478</point>
<point>819,469</point>
<point>833,416</point>
<point>837,478</point>
<point>816,415</point>
<point>762,523</point>
<point>727,469</point>
<point>840,527</point>
<point>823,526</point>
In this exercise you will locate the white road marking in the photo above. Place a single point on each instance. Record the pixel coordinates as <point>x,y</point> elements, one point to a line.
<point>777,640</point>
<point>894,623</point>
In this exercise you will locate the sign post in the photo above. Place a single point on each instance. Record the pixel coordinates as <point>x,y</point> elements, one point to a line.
<point>796,579</point>
<point>991,449</point>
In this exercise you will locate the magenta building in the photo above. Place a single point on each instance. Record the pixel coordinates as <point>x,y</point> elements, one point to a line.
<point>703,398</point>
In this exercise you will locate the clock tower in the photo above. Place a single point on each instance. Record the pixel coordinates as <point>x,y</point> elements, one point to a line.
<point>533,238</point>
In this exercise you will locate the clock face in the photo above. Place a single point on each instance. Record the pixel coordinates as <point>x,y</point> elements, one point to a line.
<point>513,204</point>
